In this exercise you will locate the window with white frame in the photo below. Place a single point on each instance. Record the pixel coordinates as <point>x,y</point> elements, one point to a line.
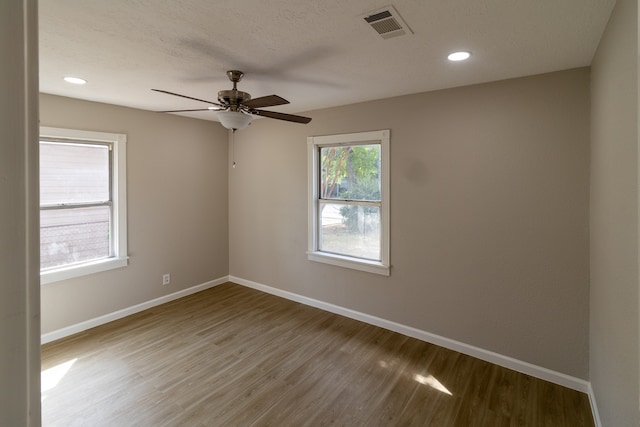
<point>349,200</point>
<point>83,226</point>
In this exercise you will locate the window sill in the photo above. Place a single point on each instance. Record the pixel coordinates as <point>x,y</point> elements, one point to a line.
<point>84,269</point>
<point>349,262</point>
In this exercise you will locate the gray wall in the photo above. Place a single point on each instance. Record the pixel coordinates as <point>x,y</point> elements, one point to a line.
<point>177,209</point>
<point>614,319</point>
<point>489,215</point>
<point>19,246</point>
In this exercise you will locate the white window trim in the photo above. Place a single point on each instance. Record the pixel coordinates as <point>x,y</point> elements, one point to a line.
<point>120,258</point>
<point>313,254</point>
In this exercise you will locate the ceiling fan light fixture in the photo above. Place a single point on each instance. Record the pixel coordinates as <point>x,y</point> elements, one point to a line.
<point>234,119</point>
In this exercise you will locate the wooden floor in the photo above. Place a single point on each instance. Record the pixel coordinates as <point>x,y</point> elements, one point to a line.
<point>233,356</point>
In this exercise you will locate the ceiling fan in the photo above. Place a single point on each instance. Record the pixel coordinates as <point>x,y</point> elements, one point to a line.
<point>235,109</point>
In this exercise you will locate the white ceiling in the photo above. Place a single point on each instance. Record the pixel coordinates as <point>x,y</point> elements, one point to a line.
<point>315,53</point>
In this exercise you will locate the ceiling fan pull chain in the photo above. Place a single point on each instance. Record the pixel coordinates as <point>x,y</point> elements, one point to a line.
<point>233,148</point>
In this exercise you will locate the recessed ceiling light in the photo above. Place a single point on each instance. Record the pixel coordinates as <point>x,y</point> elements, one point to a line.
<point>75,80</point>
<point>459,56</point>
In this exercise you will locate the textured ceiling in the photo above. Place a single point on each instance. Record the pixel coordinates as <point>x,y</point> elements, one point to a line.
<point>315,53</point>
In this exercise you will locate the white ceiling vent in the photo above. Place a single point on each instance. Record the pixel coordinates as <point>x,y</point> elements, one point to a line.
<point>387,22</point>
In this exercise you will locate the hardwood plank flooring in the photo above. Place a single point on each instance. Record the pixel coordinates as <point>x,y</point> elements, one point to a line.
<point>233,356</point>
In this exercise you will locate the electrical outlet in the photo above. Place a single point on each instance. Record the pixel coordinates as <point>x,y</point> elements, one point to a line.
<point>166,279</point>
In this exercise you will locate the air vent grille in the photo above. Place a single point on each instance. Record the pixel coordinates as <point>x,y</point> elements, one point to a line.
<point>386,26</point>
<point>387,22</point>
<point>378,16</point>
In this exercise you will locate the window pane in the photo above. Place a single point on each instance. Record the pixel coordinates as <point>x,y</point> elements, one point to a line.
<point>73,173</point>
<point>68,236</point>
<point>350,172</point>
<point>350,230</point>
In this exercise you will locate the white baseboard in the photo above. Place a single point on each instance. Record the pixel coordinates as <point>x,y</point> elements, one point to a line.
<point>101,320</point>
<point>594,407</point>
<point>489,356</point>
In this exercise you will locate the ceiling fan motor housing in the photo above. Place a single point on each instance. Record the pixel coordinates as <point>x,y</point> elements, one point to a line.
<point>232,97</point>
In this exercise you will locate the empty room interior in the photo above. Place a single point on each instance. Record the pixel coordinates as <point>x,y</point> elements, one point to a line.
<point>305,213</point>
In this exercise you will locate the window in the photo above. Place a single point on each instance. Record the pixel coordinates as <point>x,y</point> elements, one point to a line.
<point>349,200</point>
<point>82,203</point>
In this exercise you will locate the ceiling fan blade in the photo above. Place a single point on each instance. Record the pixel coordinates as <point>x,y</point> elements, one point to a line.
<point>281,116</point>
<point>197,109</point>
<point>188,97</point>
<point>265,101</point>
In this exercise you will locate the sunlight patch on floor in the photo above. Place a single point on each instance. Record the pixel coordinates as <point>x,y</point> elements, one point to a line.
<point>429,380</point>
<point>49,378</point>
<point>432,382</point>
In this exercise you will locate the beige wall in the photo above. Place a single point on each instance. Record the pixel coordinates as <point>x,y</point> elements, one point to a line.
<point>489,215</point>
<point>19,245</point>
<point>177,209</point>
<point>614,319</point>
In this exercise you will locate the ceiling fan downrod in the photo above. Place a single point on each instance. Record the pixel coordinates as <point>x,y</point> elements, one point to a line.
<point>234,97</point>
<point>235,76</point>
